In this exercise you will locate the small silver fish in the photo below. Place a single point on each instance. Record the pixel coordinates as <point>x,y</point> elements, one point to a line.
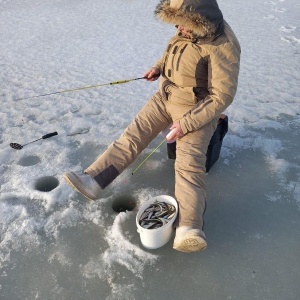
<point>157,215</point>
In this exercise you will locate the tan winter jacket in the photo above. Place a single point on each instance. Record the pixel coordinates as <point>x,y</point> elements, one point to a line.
<point>201,70</point>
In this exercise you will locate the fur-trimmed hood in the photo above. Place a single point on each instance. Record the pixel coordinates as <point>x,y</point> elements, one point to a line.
<point>203,17</point>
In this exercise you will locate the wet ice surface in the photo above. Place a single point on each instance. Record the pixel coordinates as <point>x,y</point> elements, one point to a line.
<point>57,245</point>
<point>83,249</point>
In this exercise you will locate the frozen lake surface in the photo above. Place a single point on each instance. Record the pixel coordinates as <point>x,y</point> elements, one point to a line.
<point>57,245</point>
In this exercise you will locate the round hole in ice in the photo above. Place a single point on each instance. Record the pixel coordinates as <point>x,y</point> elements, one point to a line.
<point>123,203</point>
<point>46,184</point>
<point>30,160</point>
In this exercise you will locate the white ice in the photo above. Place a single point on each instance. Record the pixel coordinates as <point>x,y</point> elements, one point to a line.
<point>57,245</point>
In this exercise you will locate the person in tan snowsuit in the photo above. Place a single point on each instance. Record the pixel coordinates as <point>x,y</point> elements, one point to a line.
<point>198,80</point>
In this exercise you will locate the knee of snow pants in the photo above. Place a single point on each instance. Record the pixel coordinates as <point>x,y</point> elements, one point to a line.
<point>149,121</point>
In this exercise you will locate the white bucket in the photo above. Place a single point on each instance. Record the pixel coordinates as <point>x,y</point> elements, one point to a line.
<point>156,238</point>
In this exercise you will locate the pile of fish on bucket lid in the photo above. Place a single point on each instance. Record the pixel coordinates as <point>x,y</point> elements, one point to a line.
<point>157,215</point>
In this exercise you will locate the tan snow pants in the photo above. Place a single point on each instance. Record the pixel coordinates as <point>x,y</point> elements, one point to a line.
<point>156,115</point>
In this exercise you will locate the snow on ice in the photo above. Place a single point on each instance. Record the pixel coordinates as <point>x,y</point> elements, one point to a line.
<point>55,244</point>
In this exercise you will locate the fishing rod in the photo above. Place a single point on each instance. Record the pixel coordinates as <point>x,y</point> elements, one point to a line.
<point>83,88</point>
<point>19,146</point>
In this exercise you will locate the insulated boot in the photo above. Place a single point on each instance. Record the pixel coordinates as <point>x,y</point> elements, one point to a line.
<point>84,184</point>
<point>189,240</point>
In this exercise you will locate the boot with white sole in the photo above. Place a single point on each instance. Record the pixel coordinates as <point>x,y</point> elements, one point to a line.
<point>84,184</point>
<point>188,239</point>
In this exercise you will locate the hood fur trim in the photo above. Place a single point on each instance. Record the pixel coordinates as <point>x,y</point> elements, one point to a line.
<point>203,17</point>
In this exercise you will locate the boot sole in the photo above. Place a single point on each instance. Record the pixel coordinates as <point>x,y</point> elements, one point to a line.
<point>68,178</point>
<point>191,244</point>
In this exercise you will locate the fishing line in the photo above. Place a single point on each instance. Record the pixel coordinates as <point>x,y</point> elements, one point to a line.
<point>148,157</point>
<point>167,137</point>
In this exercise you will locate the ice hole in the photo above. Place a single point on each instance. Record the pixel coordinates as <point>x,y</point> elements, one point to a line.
<point>46,184</point>
<point>29,161</point>
<point>123,203</point>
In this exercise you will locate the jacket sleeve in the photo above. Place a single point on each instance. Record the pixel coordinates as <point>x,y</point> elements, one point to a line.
<point>160,64</point>
<point>223,71</point>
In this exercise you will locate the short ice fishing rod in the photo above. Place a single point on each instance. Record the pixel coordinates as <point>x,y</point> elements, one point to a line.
<point>83,88</point>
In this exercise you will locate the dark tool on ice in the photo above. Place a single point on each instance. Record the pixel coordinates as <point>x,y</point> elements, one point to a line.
<point>157,215</point>
<point>84,88</point>
<point>46,136</point>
